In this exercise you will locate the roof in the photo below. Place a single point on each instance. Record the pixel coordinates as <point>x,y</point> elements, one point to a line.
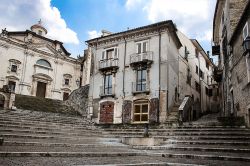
<point>241,23</point>
<point>41,37</point>
<point>205,55</point>
<point>158,24</point>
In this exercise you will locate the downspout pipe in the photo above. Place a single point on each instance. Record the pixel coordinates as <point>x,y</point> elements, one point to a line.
<point>123,78</point>
<point>158,117</point>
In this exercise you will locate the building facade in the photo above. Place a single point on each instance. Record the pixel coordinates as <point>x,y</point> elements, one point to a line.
<point>34,65</point>
<point>133,76</point>
<point>226,18</point>
<point>196,78</point>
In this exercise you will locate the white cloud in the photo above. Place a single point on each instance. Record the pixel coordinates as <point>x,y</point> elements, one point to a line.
<point>20,15</point>
<point>94,34</point>
<point>131,4</point>
<point>192,17</point>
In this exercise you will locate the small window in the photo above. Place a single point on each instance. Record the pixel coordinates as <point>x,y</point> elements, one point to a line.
<point>141,109</point>
<point>43,63</point>
<point>189,76</point>
<point>66,81</point>
<point>245,31</point>
<point>196,52</point>
<point>40,32</point>
<point>110,54</point>
<point>13,68</point>
<point>197,70</point>
<point>207,65</point>
<point>197,87</point>
<point>201,74</point>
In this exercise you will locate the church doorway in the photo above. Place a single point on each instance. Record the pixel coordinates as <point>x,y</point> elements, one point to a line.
<point>2,100</point>
<point>41,89</point>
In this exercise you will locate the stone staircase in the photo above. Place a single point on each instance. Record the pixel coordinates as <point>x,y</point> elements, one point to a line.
<point>35,138</point>
<point>173,116</point>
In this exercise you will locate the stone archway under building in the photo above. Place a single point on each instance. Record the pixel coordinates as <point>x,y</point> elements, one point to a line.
<point>4,101</point>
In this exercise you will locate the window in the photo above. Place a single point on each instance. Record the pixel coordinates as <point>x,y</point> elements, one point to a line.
<point>43,63</point>
<point>245,31</point>
<point>206,91</point>
<point>108,84</point>
<point>210,92</point>
<point>186,53</point>
<point>207,65</point>
<point>142,47</point>
<point>196,52</point>
<point>14,68</point>
<point>40,32</point>
<point>141,79</point>
<point>248,67</point>
<point>189,76</point>
<point>141,111</point>
<point>197,70</point>
<point>67,78</point>
<point>197,86</point>
<point>12,86</point>
<point>201,74</point>
<point>110,54</point>
<point>66,81</point>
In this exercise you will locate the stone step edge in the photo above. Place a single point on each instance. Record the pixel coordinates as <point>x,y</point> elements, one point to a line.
<point>203,149</point>
<point>121,154</point>
<point>15,143</point>
<point>149,164</point>
<point>207,143</point>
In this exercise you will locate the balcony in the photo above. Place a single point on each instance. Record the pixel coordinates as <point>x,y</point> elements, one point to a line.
<point>107,91</point>
<point>218,74</point>
<point>216,50</point>
<point>140,87</point>
<point>108,64</point>
<point>143,58</point>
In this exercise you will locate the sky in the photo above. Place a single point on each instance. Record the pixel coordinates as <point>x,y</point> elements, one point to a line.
<point>75,21</point>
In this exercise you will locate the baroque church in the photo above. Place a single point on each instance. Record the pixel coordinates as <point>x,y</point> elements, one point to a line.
<point>34,65</point>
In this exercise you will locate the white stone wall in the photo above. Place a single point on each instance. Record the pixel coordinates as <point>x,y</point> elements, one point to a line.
<point>27,69</point>
<point>168,78</point>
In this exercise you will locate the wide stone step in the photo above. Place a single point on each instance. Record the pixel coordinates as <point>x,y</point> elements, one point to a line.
<point>197,148</point>
<point>97,149</point>
<point>208,142</point>
<point>72,132</point>
<point>182,133</point>
<point>82,140</point>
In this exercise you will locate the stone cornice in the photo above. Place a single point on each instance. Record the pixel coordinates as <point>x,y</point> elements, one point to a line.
<point>33,50</point>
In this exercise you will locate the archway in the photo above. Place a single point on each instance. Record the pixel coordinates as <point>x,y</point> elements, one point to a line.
<point>2,101</point>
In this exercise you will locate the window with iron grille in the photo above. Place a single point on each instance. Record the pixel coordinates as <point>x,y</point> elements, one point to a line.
<point>13,68</point>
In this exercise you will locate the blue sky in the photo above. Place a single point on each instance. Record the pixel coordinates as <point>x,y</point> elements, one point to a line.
<point>75,21</point>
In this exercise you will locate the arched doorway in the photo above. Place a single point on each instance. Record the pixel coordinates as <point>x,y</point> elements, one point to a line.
<point>2,101</point>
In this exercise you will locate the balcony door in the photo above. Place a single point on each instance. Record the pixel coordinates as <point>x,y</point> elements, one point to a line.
<point>141,80</point>
<point>108,84</point>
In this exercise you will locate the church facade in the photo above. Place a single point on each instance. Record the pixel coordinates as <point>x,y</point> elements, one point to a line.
<point>34,65</point>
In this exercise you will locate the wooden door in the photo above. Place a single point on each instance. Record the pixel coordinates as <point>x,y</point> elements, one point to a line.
<point>41,89</point>
<point>2,100</point>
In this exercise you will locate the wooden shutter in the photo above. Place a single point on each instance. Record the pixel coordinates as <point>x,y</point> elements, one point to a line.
<point>116,53</point>
<point>103,55</point>
<point>144,47</point>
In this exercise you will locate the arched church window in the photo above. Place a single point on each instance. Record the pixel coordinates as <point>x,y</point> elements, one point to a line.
<point>43,63</point>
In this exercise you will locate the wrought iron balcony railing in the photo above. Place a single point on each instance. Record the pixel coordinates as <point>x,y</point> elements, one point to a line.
<point>108,64</point>
<point>146,57</point>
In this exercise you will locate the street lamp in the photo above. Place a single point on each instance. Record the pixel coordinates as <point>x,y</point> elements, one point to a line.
<point>246,45</point>
<point>77,83</point>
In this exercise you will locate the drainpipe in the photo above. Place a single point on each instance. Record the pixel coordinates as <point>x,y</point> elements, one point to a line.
<point>158,117</point>
<point>123,79</point>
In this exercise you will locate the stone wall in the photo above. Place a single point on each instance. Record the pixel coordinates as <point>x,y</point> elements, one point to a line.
<point>43,105</point>
<point>78,100</point>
